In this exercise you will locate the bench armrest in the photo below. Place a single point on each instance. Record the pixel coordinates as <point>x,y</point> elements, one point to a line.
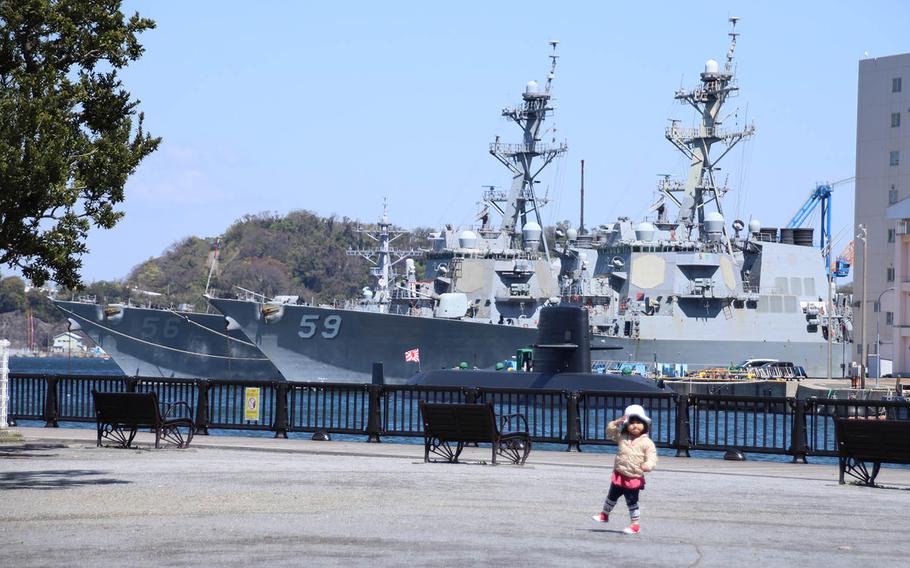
<point>505,423</point>
<point>174,406</point>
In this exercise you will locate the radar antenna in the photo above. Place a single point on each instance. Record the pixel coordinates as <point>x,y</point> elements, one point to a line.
<point>518,158</point>
<point>700,187</point>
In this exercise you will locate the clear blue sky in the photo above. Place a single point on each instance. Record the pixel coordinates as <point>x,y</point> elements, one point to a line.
<point>332,106</point>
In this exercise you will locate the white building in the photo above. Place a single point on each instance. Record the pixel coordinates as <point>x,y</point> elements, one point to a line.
<point>882,180</point>
<point>67,342</point>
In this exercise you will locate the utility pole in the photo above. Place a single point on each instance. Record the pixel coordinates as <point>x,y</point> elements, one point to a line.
<point>581,224</point>
<point>865,351</point>
<point>831,320</point>
<point>878,340</point>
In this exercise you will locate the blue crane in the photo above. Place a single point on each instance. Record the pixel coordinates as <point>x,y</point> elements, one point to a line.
<point>822,195</point>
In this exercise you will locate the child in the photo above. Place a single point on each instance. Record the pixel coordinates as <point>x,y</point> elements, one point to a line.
<point>635,456</point>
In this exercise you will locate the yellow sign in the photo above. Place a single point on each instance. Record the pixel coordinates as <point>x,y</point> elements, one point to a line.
<point>251,403</point>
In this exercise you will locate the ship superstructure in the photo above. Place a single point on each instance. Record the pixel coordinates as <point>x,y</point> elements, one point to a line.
<point>685,290</point>
<point>477,301</point>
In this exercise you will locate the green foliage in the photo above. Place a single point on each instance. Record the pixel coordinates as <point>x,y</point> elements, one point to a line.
<point>12,294</point>
<point>300,254</point>
<point>68,141</point>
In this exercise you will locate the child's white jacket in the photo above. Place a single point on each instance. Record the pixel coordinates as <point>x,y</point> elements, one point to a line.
<point>631,454</point>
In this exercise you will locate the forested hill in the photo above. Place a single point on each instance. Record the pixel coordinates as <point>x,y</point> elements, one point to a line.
<point>300,253</point>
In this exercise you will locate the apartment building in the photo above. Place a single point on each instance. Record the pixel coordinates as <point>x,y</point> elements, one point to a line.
<point>882,181</point>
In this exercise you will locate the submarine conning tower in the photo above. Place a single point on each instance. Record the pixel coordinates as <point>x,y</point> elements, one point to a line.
<point>563,340</point>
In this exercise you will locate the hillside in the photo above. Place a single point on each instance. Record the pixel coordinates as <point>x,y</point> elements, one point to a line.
<point>299,253</point>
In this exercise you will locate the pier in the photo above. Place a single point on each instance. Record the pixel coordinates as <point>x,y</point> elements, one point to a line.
<point>230,500</point>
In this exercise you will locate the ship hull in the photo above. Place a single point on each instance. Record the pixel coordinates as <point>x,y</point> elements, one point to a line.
<point>160,343</point>
<point>304,348</point>
<point>309,343</point>
<point>701,354</point>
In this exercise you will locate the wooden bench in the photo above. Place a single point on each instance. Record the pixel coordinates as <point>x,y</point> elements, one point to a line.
<point>460,424</point>
<point>870,441</point>
<point>120,414</point>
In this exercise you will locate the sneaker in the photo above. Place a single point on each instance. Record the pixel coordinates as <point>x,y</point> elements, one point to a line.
<point>632,529</point>
<point>601,517</point>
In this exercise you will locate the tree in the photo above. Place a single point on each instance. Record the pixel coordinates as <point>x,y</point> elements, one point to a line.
<point>68,138</point>
<point>12,294</point>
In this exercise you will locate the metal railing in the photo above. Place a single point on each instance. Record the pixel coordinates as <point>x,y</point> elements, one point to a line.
<point>715,422</point>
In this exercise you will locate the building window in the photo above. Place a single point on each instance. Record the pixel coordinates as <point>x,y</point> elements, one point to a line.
<point>890,235</point>
<point>889,274</point>
<point>895,157</point>
<point>892,196</point>
<point>895,119</point>
<point>896,85</point>
<point>889,318</point>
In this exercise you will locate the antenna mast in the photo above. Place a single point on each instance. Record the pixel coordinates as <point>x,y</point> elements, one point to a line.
<point>700,187</point>
<point>518,158</point>
<point>383,262</point>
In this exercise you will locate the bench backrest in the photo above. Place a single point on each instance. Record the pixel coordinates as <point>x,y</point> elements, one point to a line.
<point>460,422</point>
<point>127,407</point>
<point>874,440</point>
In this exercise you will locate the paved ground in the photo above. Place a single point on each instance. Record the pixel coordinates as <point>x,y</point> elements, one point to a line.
<point>243,501</point>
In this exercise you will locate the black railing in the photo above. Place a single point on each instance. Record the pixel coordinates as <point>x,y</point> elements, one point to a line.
<point>752,424</point>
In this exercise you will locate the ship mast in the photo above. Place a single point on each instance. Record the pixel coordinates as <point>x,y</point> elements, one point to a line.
<point>381,258</point>
<point>518,158</point>
<point>700,187</point>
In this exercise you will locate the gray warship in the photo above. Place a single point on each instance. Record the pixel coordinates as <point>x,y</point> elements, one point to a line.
<point>689,290</point>
<point>154,342</point>
<point>476,303</point>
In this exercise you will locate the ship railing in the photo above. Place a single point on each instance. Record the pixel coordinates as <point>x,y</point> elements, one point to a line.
<point>789,426</point>
<point>538,149</point>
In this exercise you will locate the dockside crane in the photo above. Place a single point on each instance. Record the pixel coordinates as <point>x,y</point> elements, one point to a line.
<point>821,195</point>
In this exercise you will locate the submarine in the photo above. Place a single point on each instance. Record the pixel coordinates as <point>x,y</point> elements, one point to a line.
<point>561,361</point>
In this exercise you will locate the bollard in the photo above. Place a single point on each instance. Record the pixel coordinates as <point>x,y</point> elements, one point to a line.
<point>573,437</point>
<point>281,409</point>
<point>798,442</point>
<point>683,441</point>
<point>374,393</point>
<point>202,405</point>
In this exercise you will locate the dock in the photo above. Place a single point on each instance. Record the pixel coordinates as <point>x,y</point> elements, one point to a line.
<point>241,501</point>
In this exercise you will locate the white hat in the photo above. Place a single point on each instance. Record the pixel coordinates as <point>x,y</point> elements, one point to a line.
<point>639,411</point>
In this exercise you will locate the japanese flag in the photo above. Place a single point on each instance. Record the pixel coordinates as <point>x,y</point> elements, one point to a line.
<point>412,356</point>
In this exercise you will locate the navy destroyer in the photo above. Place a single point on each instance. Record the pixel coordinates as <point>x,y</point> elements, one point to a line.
<point>154,342</point>
<point>689,290</point>
<point>477,302</point>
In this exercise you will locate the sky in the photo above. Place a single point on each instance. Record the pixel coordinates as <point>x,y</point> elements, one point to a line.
<point>334,106</point>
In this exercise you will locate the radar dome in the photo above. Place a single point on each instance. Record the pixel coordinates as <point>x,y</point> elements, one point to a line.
<point>714,222</point>
<point>467,239</point>
<point>530,234</point>
<point>644,232</point>
<point>711,66</point>
<point>571,234</point>
<point>531,88</point>
<point>531,231</point>
<point>754,226</point>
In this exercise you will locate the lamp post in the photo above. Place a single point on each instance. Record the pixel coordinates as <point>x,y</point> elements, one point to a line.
<point>865,351</point>
<point>878,340</point>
